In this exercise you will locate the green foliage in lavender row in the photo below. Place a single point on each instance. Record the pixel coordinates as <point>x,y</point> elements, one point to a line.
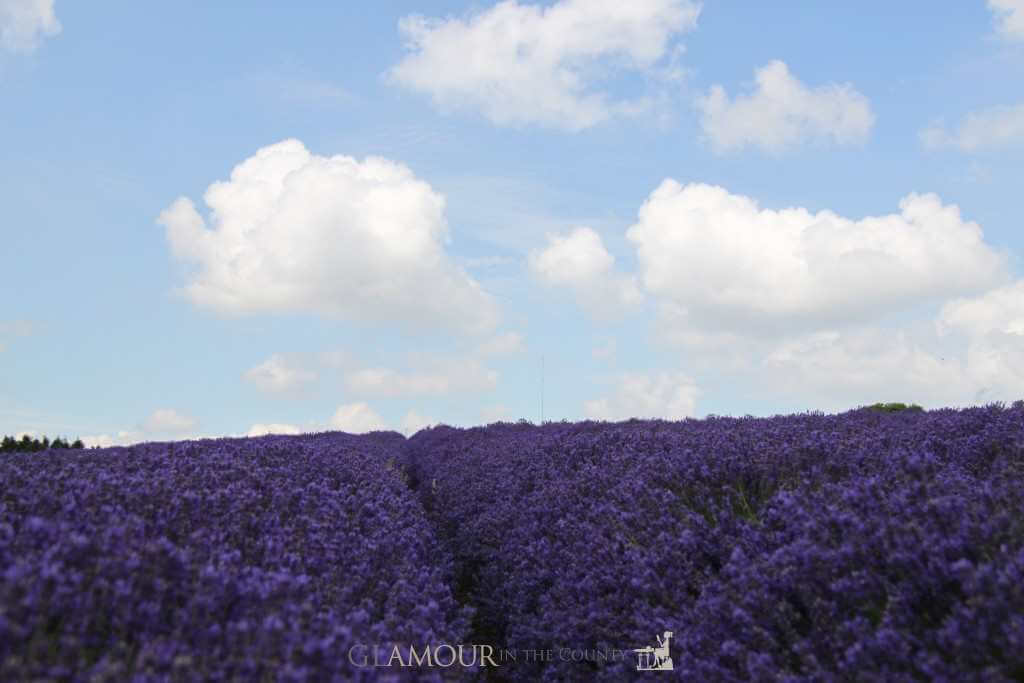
<point>27,444</point>
<point>895,407</point>
<point>230,559</point>
<point>862,546</point>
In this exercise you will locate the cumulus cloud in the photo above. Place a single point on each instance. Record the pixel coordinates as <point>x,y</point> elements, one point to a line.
<point>168,421</point>
<point>783,112</point>
<point>668,395</point>
<point>357,418</point>
<point>832,369</point>
<point>529,64</point>
<point>123,438</point>
<point>291,231</point>
<point>259,429</point>
<point>992,128</point>
<point>24,24</point>
<point>720,263</point>
<point>864,366</point>
<point>1000,310</point>
<point>354,418</point>
<point>279,375</point>
<point>580,261</point>
<point>972,352</point>
<point>161,423</point>
<point>993,324</point>
<point>1009,16</point>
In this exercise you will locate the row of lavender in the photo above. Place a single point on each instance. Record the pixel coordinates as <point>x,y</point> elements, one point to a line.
<point>862,546</point>
<point>231,559</point>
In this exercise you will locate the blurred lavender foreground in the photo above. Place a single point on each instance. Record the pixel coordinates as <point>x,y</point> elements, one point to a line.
<point>871,545</point>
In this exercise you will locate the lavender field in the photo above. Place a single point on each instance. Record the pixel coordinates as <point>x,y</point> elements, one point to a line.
<point>859,546</point>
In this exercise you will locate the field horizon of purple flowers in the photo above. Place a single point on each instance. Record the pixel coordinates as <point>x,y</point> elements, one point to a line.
<point>859,546</point>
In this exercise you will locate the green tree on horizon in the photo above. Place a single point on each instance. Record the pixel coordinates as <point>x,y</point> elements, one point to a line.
<point>27,444</point>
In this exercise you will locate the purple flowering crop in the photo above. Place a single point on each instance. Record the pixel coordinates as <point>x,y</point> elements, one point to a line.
<point>229,559</point>
<point>861,546</point>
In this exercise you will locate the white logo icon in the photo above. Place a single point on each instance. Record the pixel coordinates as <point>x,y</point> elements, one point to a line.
<point>655,658</point>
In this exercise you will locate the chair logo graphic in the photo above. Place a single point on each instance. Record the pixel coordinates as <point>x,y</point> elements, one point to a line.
<point>655,658</point>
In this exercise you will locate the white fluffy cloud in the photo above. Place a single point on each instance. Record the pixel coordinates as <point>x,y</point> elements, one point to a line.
<point>993,324</point>
<point>168,421</point>
<point>863,366</point>
<point>973,352</point>
<point>832,369</point>
<point>357,418</point>
<point>354,418</point>
<point>577,257</point>
<point>259,429</point>
<point>668,395</point>
<point>530,64</point>
<point>161,423</point>
<point>24,23</point>
<point>1009,16</point>
<point>295,232</point>
<point>783,112</point>
<point>722,263</point>
<point>278,375</point>
<point>1000,310</point>
<point>992,128</point>
<point>124,438</point>
<point>580,261</point>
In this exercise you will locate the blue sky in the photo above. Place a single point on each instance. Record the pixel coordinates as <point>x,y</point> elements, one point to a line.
<point>231,218</point>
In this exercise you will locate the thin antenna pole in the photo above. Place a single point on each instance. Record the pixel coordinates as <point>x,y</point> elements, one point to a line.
<point>542,389</point>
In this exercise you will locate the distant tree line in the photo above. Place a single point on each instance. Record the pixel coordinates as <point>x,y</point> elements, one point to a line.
<point>29,445</point>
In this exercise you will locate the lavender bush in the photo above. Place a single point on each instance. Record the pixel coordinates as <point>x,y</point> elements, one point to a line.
<point>872,545</point>
<point>231,559</point>
<point>860,546</point>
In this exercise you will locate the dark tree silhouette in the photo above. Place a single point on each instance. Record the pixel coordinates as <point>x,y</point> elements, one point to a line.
<point>29,445</point>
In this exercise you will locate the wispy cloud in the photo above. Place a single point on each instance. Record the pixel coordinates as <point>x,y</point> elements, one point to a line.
<point>24,24</point>
<point>995,128</point>
<point>1009,17</point>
